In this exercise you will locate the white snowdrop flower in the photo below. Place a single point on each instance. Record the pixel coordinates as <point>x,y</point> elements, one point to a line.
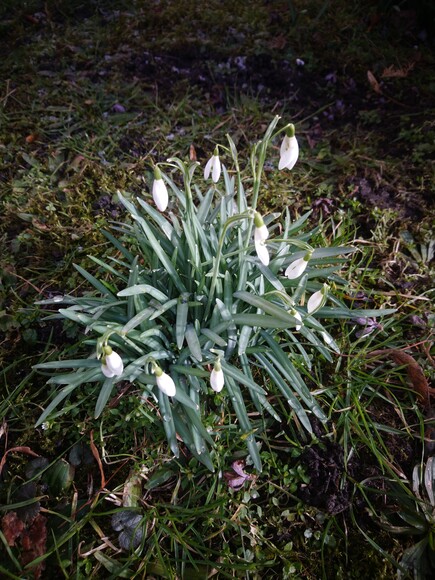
<point>112,365</point>
<point>213,166</point>
<point>262,252</point>
<point>318,299</point>
<point>261,233</point>
<point>160,191</point>
<point>298,316</point>
<point>217,379</point>
<point>298,267</point>
<point>289,151</point>
<point>164,382</point>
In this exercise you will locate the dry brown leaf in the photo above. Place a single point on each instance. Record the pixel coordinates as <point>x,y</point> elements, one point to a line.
<point>34,541</point>
<point>192,153</point>
<point>414,371</point>
<point>373,82</point>
<point>96,454</point>
<point>279,42</point>
<point>393,72</point>
<point>12,527</point>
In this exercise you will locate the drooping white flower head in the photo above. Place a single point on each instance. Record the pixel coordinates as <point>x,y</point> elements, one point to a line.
<point>262,252</point>
<point>298,316</point>
<point>289,151</point>
<point>160,191</point>
<point>261,233</point>
<point>164,382</point>
<point>318,299</point>
<point>298,267</point>
<point>213,166</point>
<point>217,379</point>
<point>112,365</point>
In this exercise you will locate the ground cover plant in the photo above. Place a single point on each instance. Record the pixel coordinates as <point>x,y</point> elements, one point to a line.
<point>95,97</point>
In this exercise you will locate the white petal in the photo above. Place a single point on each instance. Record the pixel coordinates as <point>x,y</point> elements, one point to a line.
<point>114,363</point>
<point>166,384</point>
<point>107,372</point>
<point>296,269</point>
<point>216,168</point>
<point>298,316</point>
<point>261,234</point>
<point>217,380</point>
<point>315,302</point>
<point>160,194</point>
<point>289,153</point>
<point>208,167</point>
<point>262,252</point>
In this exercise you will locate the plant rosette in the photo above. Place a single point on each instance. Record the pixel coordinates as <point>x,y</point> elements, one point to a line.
<point>193,305</point>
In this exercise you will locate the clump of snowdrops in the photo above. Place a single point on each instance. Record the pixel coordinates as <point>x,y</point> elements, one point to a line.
<point>204,295</point>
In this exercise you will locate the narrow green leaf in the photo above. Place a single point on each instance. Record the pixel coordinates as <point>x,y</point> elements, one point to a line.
<point>285,390</point>
<point>266,306</point>
<point>95,283</point>
<point>245,424</point>
<point>214,337</point>
<point>181,319</point>
<point>163,308</point>
<point>103,397</point>
<point>139,318</point>
<point>69,364</point>
<point>343,313</point>
<point>193,342</point>
<point>168,422</point>
<point>118,275</point>
<point>238,376</point>
<point>244,337</point>
<point>127,255</point>
<point>231,330</point>
<point>55,402</point>
<point>144,289</point>
<point>77,378</point>
<point>261,321</point>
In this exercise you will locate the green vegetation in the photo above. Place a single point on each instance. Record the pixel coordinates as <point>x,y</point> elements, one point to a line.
<point>93,95</point>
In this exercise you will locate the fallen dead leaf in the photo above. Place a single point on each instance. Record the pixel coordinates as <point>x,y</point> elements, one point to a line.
<point>373,82</point>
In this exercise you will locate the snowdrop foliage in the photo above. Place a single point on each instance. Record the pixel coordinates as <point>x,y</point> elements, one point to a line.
<point>183,292</point>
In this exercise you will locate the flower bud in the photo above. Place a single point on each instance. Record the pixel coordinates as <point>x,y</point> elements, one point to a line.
<point>318,299</point>
<point>213,166</point>
<point>217,379</point>
<point>160,191</point>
